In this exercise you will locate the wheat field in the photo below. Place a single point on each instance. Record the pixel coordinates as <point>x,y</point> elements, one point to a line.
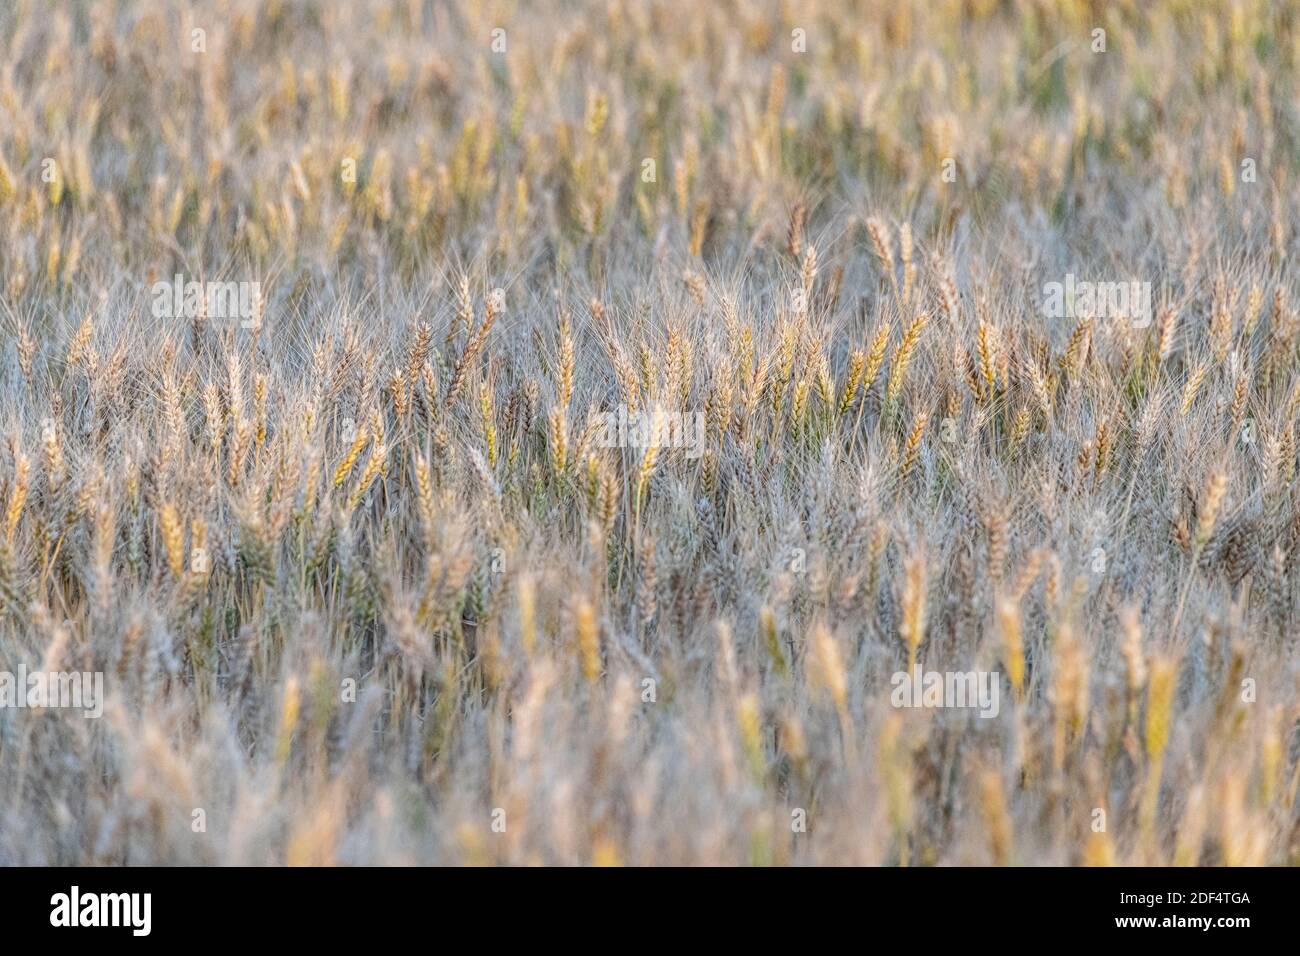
<point>967,336</point>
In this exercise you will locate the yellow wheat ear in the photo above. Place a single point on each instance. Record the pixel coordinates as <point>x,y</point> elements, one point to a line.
<point>1160,698</point>
<point>997,820</point>
<point>588,635</point>
<point>17,496</point>
<point>826,667</point>
<point>912,448</point>
<point>1013,651</point>
<point>771,640</point>
<point>290,707</point>
<point>903,357</point>
<point>374,465</point>
<point>912,629</point>
<point>173,539</point>
<point>1215,488</point>
<point>558,433</point>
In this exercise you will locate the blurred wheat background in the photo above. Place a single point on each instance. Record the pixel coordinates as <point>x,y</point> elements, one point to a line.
<point>365,587</point>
